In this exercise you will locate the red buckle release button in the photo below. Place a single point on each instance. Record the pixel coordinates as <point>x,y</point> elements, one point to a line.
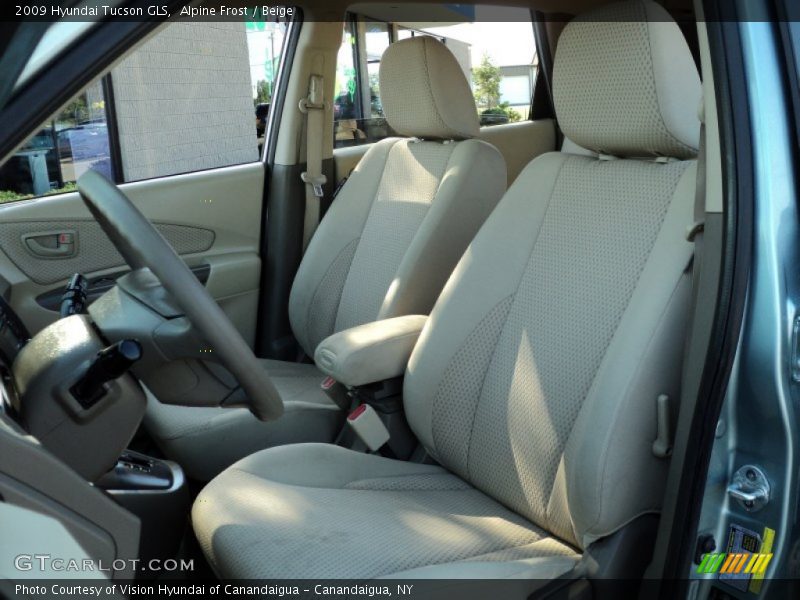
<point>368,426</point>
<point>327,383</point>
<point>360,410</point>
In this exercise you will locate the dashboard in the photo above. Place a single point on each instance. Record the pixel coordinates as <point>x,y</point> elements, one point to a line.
<point>13,333</point>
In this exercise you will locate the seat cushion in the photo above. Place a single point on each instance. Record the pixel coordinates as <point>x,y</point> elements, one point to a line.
<point>537,376</point>
<point>295,511</point>
<point>204,440</point>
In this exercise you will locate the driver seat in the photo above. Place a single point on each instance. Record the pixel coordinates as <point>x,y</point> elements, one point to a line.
<point>384,249</point>
<point>536,380</point>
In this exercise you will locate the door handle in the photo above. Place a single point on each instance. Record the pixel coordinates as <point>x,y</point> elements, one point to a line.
<point>51,244</point>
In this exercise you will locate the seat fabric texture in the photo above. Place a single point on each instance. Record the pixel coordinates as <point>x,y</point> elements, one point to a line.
<point>536,380</point>
<point>385,248</point>
<point>309,501</point>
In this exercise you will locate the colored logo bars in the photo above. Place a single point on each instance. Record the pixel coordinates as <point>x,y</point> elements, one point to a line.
<point>725,562</point>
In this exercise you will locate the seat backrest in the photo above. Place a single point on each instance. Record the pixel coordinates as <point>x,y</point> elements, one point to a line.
<point>537,376</point>
<point>406,214</point>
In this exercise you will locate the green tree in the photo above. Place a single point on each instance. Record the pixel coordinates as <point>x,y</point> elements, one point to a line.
<point>513,116</point>
<point>263,93</point>
<point>486,79</point>
<point>75,112</point>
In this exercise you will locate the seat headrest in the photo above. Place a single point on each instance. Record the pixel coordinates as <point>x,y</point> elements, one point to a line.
<point>424,91</point>
<point>625,83</point>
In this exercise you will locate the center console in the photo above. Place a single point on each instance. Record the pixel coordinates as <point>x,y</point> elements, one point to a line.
<point>156,491</point>
<point>71,390</point>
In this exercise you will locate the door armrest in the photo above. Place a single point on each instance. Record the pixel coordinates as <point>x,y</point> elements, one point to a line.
<point>369,353</point>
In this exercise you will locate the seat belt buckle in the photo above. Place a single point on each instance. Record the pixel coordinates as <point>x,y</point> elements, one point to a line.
<point>336,392</point>
<point>315,181</point>
<point>368,426</point>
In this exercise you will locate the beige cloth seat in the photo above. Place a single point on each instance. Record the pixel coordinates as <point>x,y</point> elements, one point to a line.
<point>313,498</point>
<point>384,249</point>
<point>535,381</point>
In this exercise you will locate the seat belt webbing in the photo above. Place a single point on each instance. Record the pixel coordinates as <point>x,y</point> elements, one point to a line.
<point>695,233</point>
<point>692,367</point>
<point>313,106</point>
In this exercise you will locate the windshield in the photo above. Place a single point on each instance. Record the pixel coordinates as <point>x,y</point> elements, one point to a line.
<point>59,35</point>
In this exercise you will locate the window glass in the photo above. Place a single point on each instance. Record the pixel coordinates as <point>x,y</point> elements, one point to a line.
<point>192,97</point>
<point>498,58</point>
<point>58,36</point>
<point>346,104</point>
<point>377,41</point>
<point>264,45</point>
<point>404,34</point>
<point>82,141</point>
<point>73,141</point>
<point>357,109</point>
<point>195,96</point>
<point>345,88</point>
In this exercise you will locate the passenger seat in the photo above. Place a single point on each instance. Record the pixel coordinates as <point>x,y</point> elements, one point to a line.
<point>384,249</point>
<point>536,383</point>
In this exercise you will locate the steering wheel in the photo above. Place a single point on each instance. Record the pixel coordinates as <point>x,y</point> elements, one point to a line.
<point>141,245</point>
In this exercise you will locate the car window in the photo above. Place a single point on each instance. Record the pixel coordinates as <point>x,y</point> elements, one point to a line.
<point>58,36</point>
<point>195,96</point>
<point>70,142</point>
<point>357,109</point>
<point>498,59</point>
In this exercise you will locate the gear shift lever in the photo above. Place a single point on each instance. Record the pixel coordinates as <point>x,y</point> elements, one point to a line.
<point>110,363</point>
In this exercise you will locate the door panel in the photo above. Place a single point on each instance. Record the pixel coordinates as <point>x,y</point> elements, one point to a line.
<point>210,217</point>
<point>50,251</point>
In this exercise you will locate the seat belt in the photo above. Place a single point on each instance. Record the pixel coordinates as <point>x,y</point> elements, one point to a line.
<point>692,369</point>
<point>695,231</point>
<point>313,106</point>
